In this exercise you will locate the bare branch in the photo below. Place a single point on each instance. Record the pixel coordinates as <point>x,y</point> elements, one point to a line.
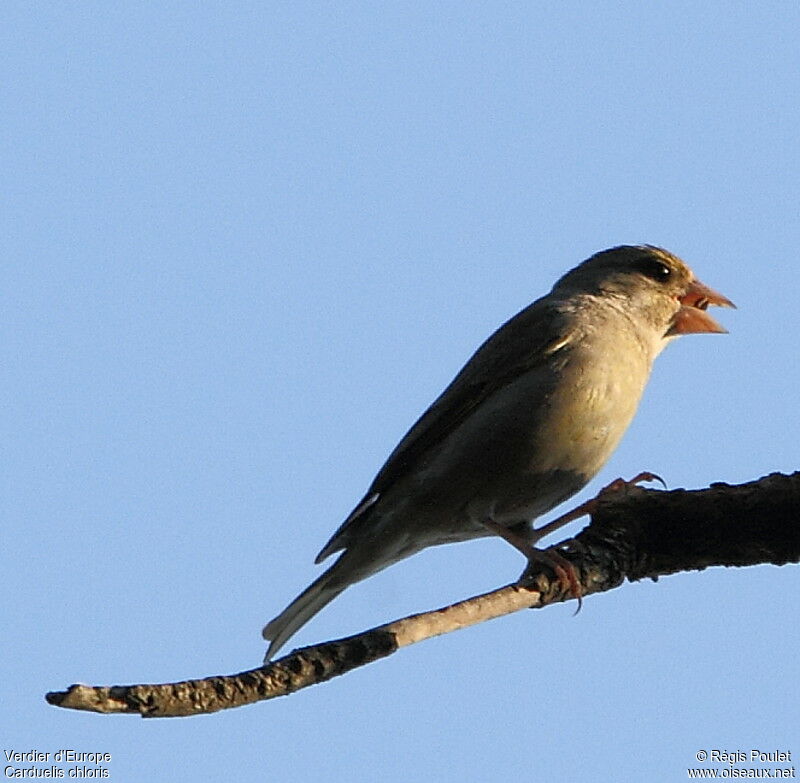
<point>634,534</point>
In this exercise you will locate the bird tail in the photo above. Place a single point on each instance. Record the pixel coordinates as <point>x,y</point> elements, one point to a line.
<point>351,567</point>
<point>312,600</point>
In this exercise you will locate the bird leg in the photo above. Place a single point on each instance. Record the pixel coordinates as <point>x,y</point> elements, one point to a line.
<point>564,570</point>
<point>590,506</point>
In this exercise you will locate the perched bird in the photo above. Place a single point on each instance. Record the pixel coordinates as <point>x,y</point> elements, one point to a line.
<point>529,420</point>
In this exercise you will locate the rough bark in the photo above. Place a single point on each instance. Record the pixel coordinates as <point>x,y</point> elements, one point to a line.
<point>634,534</point>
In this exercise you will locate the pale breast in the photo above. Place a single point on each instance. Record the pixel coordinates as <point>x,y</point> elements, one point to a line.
<point>592,405</point>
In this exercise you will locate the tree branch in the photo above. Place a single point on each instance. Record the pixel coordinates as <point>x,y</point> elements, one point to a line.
<point>634,534</point>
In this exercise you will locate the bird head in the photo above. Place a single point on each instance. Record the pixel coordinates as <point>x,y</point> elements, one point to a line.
<point>648,283</point>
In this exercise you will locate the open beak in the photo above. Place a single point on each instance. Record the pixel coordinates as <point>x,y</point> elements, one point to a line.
<point>692,317</point>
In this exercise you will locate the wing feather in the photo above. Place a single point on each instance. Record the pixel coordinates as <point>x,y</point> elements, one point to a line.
<point>520,345</point>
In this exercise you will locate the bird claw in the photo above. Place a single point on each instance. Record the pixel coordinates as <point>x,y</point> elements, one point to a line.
<point>621,483</point>
<point>565,571</point>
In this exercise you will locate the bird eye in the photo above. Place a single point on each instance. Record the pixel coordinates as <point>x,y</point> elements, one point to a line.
<point>655,270</point>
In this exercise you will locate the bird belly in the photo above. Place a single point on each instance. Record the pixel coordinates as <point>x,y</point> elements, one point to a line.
<point>523,452</point>
<point>536,443</point>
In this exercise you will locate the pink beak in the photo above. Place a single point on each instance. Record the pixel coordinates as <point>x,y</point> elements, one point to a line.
<point>692,317</point>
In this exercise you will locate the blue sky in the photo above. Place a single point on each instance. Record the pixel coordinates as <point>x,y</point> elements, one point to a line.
<point>247,244</point>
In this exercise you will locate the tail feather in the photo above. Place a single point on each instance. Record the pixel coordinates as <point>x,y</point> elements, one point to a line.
<point>353,565</point>
<point>312,600</point>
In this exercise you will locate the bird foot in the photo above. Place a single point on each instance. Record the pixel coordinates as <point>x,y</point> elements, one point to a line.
<point>621,483</point>
<point>565,571</point>
<point>590,506</point>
